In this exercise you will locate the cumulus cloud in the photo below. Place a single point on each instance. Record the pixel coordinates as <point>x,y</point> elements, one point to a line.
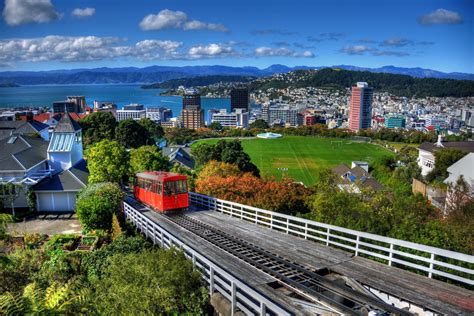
<point>272,32</point>
<point>282,51</point>
<point>168,19</point>
<point>331,36</point>
<point>17,12</point>
<point>363,49</point>
<point>83,48</point>
<point>210,51</point>
<point>441,16</point>
<point>83,13</point>
<point>397,42</point>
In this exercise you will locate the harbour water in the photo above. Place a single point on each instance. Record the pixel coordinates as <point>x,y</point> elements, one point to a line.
<point>120,94</point>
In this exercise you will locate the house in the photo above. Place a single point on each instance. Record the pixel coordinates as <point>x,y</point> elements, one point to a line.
<point>463,167</point>
<point>180,155</point>
<point>355,179</point>
<point>54,170</point>
<point>426,152</point>
<point>27,127</point>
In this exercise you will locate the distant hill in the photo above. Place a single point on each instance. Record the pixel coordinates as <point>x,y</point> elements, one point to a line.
<point>197,81</point>
<point>401,85</point>
<point>155,74</point>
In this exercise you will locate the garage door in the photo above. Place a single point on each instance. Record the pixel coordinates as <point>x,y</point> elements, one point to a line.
<point>56,202</point>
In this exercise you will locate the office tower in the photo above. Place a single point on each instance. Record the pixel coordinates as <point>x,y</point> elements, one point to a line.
<point>285,114</point>
<point>65,106</point>
<point>192,116</point>
<point>237,118</point>
<point>80,100</point>
<point>360,116</point>
<point>239,99</point>
<point>100,106</point>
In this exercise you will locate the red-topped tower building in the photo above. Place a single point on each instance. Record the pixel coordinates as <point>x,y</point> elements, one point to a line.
<point>360,112</point>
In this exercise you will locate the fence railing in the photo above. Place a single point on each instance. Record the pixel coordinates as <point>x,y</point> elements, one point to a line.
<point>240,295</point>
<point>444,264</point>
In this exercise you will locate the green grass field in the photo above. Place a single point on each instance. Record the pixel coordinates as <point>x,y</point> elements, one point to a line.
<point>303,156</point>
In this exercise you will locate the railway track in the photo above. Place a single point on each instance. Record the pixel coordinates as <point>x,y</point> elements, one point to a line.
<point>293,276</point>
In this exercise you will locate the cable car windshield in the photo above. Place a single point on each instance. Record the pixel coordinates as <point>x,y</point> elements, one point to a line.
<point>175,187</point>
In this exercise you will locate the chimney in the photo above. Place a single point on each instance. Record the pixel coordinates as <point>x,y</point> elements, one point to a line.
<point>29,116</point>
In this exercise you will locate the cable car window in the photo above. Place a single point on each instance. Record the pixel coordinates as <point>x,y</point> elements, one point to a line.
<point>169,188</point>
<point>181,187</point>
<point>159,187</point>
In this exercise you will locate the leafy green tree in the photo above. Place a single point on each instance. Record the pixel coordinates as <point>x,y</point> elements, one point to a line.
<point>96,205</point>
<point>155,131</point>
<point>148,158</point>
<point>131,134</point>
<point>443,160</point>
<point>179,135</point>
<point>216,126</point>
<point>4,220</point>
<point>98,126</point>
<point>259,124</point>
<point>107,161</point>
<point>156,282</point>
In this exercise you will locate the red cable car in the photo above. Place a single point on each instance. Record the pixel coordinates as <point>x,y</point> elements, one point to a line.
<point>163,191</point>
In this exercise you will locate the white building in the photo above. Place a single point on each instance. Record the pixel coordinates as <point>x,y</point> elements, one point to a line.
<point>426,152</point>
<point>239,118</point>
<point>131,111</point>
<point>463,167</point>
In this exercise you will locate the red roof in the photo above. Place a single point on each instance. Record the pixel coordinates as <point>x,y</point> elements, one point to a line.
<point>161,175</point>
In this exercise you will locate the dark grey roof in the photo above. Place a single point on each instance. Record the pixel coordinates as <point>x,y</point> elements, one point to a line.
<point>20,127</point>
<point>359,172</point>
<point>180,155</point>
<point>67,125</point>
<point>19,153</point>
<point>80,171</point>
<point>5,133</point>
<point>64,181</point>
<point>432,147</point>
<point>355,175</point>
<point>372,183</point>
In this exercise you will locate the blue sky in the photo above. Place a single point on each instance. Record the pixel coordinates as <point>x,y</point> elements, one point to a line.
<point>54,34</point>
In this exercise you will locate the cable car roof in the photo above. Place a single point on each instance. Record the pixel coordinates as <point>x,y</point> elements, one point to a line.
<point>160,175</point>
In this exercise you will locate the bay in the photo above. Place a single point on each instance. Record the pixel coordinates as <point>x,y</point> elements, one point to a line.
<point>120,94</point>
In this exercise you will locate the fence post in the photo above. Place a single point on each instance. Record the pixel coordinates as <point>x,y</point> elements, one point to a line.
<point>263,309</point>
<point>357,245</point>
<point>211,280</point>
<point>287,225</point>
<point>327,236</point>
<point>390,255</point>
<point>234,299</point>
<point>430,274</point>
<point>305,230</point>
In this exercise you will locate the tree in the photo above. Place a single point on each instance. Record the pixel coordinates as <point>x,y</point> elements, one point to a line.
<point>155,282</point>
<point>216,126</point>
<point>218,168</point>
<point>107,161</point>
<point>4,220</point>
<point>131,134</point>
<point>444,158</point>
<point>259,124</point>
<point>148,158</point>
<point>97,203</point>
<point>155,131</point>
<point>98,126</point>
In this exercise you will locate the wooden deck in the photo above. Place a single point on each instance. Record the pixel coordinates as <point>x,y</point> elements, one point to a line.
<point>417,289</point>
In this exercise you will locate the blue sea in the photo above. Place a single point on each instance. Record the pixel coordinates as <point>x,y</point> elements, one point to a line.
<point>121,94</point>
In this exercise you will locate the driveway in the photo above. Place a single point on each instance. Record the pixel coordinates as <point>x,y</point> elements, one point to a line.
<point>49,224</point>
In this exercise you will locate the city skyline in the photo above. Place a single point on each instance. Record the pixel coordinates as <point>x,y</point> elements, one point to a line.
<point>48,34</point>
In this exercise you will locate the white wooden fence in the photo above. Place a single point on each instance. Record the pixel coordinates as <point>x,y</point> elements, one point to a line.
<point>237,292</point>
<point>430,260</point>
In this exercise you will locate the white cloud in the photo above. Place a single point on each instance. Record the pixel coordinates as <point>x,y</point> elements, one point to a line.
<point>83,13</point>
<point>17,12</point>
<point>168,19</point>
<point>363,49</point>
<point>281,51</point>
<point>209,51</point>
<point>441,16</point>
<point>83,48</point>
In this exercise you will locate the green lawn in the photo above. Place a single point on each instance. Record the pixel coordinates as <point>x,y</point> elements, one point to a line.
<point>303,156</point>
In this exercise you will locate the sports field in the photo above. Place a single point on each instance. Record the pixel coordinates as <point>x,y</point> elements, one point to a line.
<point>300,157</point>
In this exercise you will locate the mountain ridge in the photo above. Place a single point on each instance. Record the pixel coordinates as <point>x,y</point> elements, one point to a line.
<point>155,73</point>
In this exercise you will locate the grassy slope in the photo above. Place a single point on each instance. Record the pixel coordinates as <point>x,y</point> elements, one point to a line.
<point>304,155</point>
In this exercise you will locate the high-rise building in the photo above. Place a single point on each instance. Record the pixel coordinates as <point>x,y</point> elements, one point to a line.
<point>80,100</point>
<point>237,118</point>
<point>192,116</point>
<point>360,113</point>
<point>285,114</point>
<point>239,99</point>
<point>159,114</point>
<point>100,106</point>
<point>395,122</point>
<point>65,106</point>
